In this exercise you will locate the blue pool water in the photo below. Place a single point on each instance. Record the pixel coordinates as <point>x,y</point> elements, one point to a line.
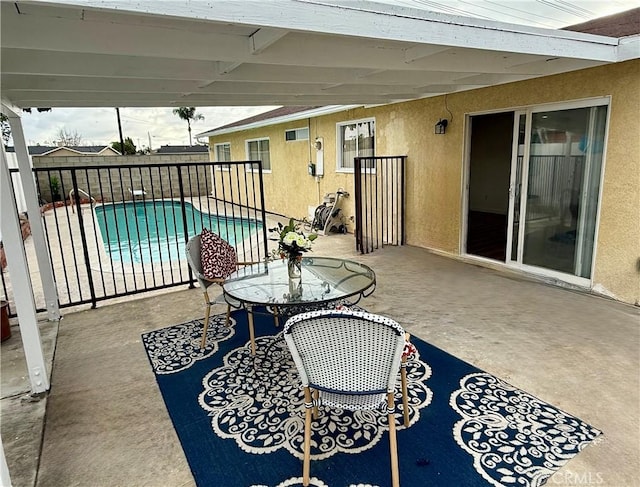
<point>153,231</point>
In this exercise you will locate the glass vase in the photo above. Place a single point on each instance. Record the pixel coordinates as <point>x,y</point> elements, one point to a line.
<point>294,267</point>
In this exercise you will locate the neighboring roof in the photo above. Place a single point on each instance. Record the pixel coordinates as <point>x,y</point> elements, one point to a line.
<point>272,117</point>
<point>34,150</point>
<point>278,112</point>
<point>618,25</point>
<point>182,149</point>
<point>41,150</point>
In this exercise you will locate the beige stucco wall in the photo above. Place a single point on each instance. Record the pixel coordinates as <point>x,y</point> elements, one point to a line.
<point>288,187</point>
<point>436,163</point>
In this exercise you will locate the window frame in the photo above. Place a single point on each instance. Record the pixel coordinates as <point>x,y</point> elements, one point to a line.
<point>296,132</point>
<point>226,167</point>
<point>339,143</point>
<point>247,152</point>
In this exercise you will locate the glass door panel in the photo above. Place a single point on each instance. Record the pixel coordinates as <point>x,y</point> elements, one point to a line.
<point>562,186</point>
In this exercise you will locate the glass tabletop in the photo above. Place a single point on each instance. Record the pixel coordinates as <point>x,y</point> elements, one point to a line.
<point>324,279</point>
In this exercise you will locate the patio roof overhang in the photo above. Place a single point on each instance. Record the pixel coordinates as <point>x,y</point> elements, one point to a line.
<point>89,53</point>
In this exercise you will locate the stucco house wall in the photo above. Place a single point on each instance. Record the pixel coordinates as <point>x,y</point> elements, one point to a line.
<point>436,163</point>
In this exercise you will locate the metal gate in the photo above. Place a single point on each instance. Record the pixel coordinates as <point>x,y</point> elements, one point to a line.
<point>117,230</point>
<point>379,200</point>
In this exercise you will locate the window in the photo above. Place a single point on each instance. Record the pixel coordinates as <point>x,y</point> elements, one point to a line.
<point>296,134</point>
<point>223,154</point>
<point>258,150</point>
<point>355,139</point>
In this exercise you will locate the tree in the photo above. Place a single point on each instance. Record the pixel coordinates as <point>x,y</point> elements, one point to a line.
<point>28,110</point>
<point>6,128</point>
<point>67,138</point>
<point>188,114</point>
<point>129,147</point>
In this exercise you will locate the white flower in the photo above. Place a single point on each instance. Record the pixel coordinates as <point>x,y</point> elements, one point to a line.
<point>290,237</point>
<point>302,242</point>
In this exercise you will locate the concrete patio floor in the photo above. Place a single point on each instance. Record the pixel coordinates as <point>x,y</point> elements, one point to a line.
<point>104,422</point>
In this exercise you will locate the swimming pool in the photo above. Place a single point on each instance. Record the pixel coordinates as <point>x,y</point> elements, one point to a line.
<point>153,231</point>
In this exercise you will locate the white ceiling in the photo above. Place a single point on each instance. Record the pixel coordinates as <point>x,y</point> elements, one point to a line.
<point>281,52</point>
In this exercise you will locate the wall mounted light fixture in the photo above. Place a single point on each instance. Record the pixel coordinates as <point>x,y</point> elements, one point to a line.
<point>441,126</point>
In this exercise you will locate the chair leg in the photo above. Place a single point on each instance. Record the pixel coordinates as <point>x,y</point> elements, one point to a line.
<point>252,334</point>
<point>226,323</point>
<point>207,312</point>
<point>316,396</point>
<point>405,398</point>
<point>306,463</point>
<point>403,381</point>
<point>393,444</point>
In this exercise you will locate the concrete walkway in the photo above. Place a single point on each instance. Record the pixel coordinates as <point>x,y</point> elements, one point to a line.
<point>106,423</point>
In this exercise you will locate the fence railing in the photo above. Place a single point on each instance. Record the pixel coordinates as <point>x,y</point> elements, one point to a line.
<point>554,184</point>
<point>380,202</point>
<point>114,231</point>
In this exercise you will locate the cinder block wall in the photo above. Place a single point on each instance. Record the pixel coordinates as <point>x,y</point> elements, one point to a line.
<point>113,185</point>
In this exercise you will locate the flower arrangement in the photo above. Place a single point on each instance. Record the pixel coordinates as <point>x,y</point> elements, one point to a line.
<point>291,241</point>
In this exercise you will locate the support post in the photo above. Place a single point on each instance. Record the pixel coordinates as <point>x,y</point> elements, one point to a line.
<point>35,218</point>
<point>5,478</point>
<point>21,281</point>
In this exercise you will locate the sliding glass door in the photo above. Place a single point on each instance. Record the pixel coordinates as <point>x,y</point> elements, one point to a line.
<point>554,188</point>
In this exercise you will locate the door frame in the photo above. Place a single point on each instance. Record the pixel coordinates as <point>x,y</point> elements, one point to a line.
<point>517,265</point>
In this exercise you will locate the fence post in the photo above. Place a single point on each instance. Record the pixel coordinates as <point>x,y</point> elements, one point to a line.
<point>264,220</point>
<point>185,228</point>
<point>83,237</point>
<point>357,180</point>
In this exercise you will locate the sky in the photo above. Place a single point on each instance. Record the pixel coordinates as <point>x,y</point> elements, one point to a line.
<point>159,126</point>
<point>98,126</point>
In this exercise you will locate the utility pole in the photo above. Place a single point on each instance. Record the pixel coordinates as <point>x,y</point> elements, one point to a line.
<point>120,131</point>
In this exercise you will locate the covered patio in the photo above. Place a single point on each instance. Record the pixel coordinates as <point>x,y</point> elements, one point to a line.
<point>88,410</point>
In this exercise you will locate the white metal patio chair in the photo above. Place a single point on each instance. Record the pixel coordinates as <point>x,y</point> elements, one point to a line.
<point>349,360</point>
<point>142,192</point>
<point>225,253</point>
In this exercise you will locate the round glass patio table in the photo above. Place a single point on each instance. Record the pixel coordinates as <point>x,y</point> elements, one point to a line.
<point>323,280</point>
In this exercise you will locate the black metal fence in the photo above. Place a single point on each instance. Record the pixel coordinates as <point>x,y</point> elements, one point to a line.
<point>118,230</point>
<point>554,185</point>
<point>380,202</point>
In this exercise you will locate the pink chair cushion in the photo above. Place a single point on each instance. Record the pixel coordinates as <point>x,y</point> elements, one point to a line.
<point>217,257</point>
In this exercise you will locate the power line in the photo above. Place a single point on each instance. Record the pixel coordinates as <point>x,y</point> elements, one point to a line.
<point>577,8</point>
<point>562,8</point>
<point>509,15</point>
<point>135,119</point>
<point>451,10</point>
<point>504,6</point>
<point>558,12</point>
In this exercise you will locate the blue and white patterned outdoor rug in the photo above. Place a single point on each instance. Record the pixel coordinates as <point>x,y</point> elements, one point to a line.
<point>240,419</point>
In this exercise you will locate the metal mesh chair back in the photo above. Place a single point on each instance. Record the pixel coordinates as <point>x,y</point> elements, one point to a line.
<point>346,352</point>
